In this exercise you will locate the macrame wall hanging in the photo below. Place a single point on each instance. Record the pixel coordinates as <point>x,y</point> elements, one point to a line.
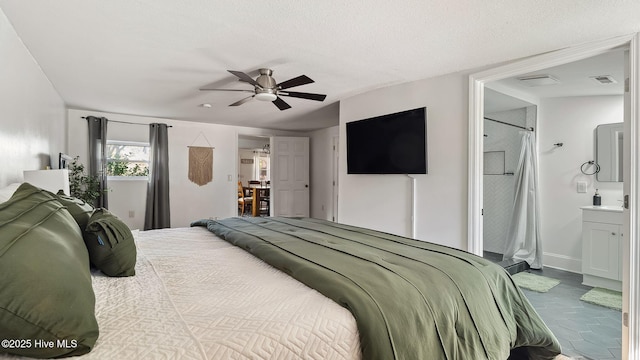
<point>201,162</point>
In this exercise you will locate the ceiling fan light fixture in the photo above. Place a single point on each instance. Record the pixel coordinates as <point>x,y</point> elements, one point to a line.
<point>265,96</point>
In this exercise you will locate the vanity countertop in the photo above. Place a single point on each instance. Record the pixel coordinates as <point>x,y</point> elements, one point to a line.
<point>603,208</point>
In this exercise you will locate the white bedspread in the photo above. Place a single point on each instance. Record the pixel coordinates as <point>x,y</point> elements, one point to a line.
<point>195,296</point>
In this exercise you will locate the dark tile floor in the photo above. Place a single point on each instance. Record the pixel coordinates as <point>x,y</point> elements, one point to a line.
<point>585,331</point>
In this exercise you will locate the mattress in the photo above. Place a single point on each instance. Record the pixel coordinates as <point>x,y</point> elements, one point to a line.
<point>195,296</point>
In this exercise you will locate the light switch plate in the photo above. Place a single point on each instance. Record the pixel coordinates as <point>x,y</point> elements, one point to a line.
<point>582,186</point>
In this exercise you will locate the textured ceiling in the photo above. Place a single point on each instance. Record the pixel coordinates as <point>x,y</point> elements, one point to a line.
<point>150,57</point>
<point>574,79</point>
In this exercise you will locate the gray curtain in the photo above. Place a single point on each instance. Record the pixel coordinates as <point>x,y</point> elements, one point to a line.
<point>98,156</point>
<point>157,215</point>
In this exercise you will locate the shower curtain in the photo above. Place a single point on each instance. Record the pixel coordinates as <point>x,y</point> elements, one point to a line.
<point>523,236</point>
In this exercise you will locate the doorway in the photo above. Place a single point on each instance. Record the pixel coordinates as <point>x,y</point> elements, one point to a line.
<point>631,262</point>
<point>574,99</point>
<point>254,171</point>
<point>506,119</point>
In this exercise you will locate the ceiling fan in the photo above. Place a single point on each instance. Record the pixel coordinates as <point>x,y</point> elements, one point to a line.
<point>266,88</point>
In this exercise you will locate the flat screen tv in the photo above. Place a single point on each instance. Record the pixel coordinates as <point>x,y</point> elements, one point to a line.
<point>388,144</point>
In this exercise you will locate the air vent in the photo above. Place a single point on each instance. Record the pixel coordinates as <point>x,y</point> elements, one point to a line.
<point>538,80</point>
<point>603,79</point>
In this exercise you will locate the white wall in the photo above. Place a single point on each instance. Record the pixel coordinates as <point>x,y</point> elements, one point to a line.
<point>321,172</point>
<point>383,201</point>
<point>572,121</point>
<point>246,172</point>
<point>32,114</point>
<point>189,201</point>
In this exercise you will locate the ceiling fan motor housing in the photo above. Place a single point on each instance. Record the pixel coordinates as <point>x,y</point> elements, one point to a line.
<point>267,91</point>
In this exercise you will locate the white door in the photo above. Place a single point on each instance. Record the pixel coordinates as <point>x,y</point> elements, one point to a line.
<point>334,207</point>
<point>625,236</point>
<point>290,176</point>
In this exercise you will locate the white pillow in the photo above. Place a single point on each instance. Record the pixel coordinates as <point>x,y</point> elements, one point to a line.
<point>6,192</point>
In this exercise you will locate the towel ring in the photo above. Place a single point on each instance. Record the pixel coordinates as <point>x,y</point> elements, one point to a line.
<point>590,162</point>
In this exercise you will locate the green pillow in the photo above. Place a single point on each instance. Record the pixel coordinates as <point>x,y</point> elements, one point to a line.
<point>79,209</point>
<point>110,244</point>
<point>46,299</point>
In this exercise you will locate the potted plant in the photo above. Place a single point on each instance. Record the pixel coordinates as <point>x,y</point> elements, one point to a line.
<point>81,185</point>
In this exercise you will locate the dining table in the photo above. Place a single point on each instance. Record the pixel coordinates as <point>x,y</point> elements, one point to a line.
<point>258,193</point>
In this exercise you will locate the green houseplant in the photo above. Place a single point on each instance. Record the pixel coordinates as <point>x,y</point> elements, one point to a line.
<point>81,185</point>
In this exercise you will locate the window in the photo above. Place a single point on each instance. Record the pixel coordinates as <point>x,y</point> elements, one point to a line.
<point>261,165</point>
<point>127,159</point>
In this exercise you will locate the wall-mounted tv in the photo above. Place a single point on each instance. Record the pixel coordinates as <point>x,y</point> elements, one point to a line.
<point>388,144</point>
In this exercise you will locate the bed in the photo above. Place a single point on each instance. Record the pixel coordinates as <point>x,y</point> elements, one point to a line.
<point>241,288</point>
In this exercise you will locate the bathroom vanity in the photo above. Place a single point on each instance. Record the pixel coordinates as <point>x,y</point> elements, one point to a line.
<point>602,246</point>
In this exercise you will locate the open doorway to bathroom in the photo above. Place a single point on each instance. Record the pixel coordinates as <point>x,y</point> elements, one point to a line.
<point>566,186</point>
<point>565,108</point>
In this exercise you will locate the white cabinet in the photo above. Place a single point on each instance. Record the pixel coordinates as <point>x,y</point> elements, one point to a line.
<point>602,247</point>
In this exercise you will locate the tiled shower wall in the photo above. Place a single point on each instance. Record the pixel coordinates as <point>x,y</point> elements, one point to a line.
<point>499,188</point>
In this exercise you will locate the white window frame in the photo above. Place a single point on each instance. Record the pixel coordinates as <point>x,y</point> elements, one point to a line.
<point>128,143</point>
<point>259,154</point>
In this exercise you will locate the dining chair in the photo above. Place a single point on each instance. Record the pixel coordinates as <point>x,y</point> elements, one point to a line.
<point>244,201</point>
<point>265,201</point>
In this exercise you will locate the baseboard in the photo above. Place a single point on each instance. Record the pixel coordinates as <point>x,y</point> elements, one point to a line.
<point>597,281</point>
<point>562,262</point>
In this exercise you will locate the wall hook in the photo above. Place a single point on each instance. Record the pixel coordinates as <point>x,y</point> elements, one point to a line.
<point>558,144</point>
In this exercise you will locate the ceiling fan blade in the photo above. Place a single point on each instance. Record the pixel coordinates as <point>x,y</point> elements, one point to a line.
<point>303,95</point>
<point>245,77</point>
<point>297,81</point>
<point>227,90</point>
<point>240,102</point>
<point>281,104</point>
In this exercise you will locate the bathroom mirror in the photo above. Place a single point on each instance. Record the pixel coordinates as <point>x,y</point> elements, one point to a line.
<point>609,151</point>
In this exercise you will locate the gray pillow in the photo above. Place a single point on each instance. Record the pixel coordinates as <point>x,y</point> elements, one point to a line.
<point>79,209</point>
<point>45,284</point>
<point>110,244</point>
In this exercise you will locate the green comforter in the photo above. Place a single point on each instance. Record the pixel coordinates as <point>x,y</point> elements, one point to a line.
<point>411,299</point>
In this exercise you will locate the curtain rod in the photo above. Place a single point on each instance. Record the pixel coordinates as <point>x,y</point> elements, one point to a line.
<point>506,123</point>
<point>126,122</point>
